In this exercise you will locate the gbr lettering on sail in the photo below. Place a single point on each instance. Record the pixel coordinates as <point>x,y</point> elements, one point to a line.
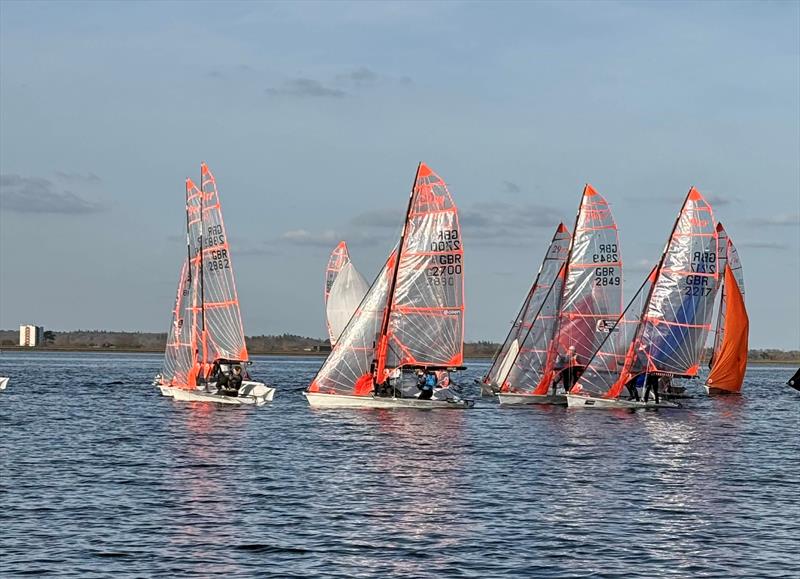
<point>446,261</point>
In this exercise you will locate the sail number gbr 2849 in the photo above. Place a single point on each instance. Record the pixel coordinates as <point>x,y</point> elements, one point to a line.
<point>606,275</point>
<point>444,266</point>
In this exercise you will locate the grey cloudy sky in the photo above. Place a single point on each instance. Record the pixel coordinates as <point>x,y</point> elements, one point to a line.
<point>314,115</point>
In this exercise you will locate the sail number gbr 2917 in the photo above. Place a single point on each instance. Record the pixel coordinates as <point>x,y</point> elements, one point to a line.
<point>705,263</point>
<point>444,266</point>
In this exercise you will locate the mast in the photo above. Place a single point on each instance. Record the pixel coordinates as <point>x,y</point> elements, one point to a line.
<point>382,337</point>
<point>202,292</point>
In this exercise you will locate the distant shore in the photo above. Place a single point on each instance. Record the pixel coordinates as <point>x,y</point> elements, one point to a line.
<point>289,353</point>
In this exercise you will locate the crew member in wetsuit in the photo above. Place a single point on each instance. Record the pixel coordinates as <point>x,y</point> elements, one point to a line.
<point>651,383</point>
<point>232,382</point>
<point>631,386</point>
<point>571,369</point>
<point>426,384</point>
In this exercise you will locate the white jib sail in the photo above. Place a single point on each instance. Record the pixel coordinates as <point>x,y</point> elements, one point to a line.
<point>346,294</point>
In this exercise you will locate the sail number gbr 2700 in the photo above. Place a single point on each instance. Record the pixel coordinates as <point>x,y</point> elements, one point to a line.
<point>444,266</point>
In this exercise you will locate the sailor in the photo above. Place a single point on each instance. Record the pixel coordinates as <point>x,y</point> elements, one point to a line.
<point>232,382</point>
<point>426,384</point>
<point>220,377</point>
<point>651,383</point>
<point>571,369</point>
<point>631,386</point>
<point>395,377</point>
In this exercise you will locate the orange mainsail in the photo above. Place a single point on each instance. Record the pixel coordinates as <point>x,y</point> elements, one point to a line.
<point>730,362</point>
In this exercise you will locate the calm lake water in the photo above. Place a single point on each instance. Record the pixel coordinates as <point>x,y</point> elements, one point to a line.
<point>103,476</point>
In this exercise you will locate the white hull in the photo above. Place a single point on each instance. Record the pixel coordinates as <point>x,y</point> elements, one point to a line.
<point>577,401</point>
<point>510,399</point>
<point>321,400</point>
<point>250,393</point>
<point>3,382</point>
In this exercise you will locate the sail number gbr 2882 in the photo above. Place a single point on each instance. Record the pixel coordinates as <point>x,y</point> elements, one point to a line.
<point>444,266</point>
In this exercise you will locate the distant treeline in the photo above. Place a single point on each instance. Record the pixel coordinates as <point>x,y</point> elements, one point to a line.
<point>284,343</point>
<point>156,341</point>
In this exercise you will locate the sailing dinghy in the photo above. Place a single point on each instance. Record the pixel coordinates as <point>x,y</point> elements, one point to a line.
<point>344,290</point>
<point>206,350</point>
<point>661,333</point>
<point>4,382</point>
<point>728,362</point>
<point>577,312</point>
<point>549,269</point>
<point>411,321</point>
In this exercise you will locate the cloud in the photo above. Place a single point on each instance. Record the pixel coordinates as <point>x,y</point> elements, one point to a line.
<point>38,195</point>
<point>764,245</point>
<point>719,200</point>
<point>305,88</point>
<point>328,238</point>
<point>359,76</point>
<point>676,200</point>
<point>639,266</point>
<point>254,250</point>
<point>379,218</point>
<point>779,220</point>
<point>510,187</point>
<point>227,72</point>
<point>88,178</point>
<point>509,222</point>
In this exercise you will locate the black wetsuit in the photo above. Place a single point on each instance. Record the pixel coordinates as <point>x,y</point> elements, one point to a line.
<point>651,384</point>
<point>631,386</point>
<point>229,384</point>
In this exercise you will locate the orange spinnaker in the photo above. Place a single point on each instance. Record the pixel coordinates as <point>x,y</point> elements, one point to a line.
<point>731,363</point>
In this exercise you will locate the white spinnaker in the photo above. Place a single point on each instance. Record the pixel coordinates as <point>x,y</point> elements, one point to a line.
<point>347,370</point>
<point>347,291</point>
<point>508,361</point>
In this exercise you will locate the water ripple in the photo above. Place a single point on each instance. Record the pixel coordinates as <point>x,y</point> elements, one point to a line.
<point>102,476</point>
